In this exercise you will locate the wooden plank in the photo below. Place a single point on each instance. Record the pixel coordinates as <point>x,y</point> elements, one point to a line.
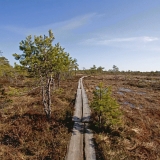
<point>79,92</point>
<point>86,109</point>
<point>89,144</point>
<point>79,84</point>
<point>75,150</point>
<point>81,132</point>
<point>77,117</point>
<point>88,139</point>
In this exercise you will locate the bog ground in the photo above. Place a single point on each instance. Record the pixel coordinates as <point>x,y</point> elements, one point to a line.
<point>25,133</point>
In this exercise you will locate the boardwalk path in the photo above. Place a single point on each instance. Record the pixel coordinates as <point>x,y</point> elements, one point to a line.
<point>81,146</point>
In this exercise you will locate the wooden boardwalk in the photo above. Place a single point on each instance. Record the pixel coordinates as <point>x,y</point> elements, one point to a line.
<point>81,146</point>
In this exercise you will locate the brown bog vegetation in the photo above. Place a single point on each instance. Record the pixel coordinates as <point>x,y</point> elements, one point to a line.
<point>138,137</point>
<point>25,132</point>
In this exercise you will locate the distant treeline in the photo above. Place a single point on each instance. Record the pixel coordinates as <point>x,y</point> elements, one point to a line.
<point>115,70</point>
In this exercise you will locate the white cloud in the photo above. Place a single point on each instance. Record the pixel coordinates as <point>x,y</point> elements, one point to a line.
<point>104,41</point>
<point>78,21</point>
<point>150,39</point>
<point>59,27</point>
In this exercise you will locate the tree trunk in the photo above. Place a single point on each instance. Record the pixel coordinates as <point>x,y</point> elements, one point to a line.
<point>75,71</point>
<point>58,80</point>
<point>100,121</point>
<point>47,97</point>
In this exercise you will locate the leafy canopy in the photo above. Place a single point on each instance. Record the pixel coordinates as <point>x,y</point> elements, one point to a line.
<point>41,57</point>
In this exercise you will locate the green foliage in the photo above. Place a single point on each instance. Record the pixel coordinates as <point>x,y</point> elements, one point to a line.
<point>19,70</point>
<point>93,69</point>
<point>74,65</point>
<point>100,69</point>
<point>115,68</point>
<point>13,91</point>
<point>105,107</point>
<point>5,68</point>
<point>58,91</point>
<point>9,73</point>
<point>41,58</point>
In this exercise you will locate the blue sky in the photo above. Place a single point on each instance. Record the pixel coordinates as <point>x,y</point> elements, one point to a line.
<point>125,33</point>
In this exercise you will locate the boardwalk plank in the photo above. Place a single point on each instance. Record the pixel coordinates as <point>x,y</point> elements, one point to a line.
<point>81,132</point>
<point>77,117</point>
<point>89,144</point>
<point>75,150</point>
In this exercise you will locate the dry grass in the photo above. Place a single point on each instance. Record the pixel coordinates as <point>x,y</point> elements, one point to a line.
<point>26,134</point>
<point>24,131</point>
<point>139,135</point>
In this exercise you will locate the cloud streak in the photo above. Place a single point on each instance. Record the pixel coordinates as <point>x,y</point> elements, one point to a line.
<point>78,21</point>
<point>64,26</point>
<point>103,41</point>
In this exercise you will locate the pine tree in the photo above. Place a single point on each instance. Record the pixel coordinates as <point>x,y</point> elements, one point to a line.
<point>100,69</point>
<point>93,69</point>
<point>44,60</point>
<point>105,107</point>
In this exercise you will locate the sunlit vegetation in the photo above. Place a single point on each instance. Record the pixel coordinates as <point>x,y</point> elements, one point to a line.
<point>138,135</point>
<point>45,74</point>
<point>105,109</point>
<point>47,62</point>
<point>125,105</point>
<point>25,133</point>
